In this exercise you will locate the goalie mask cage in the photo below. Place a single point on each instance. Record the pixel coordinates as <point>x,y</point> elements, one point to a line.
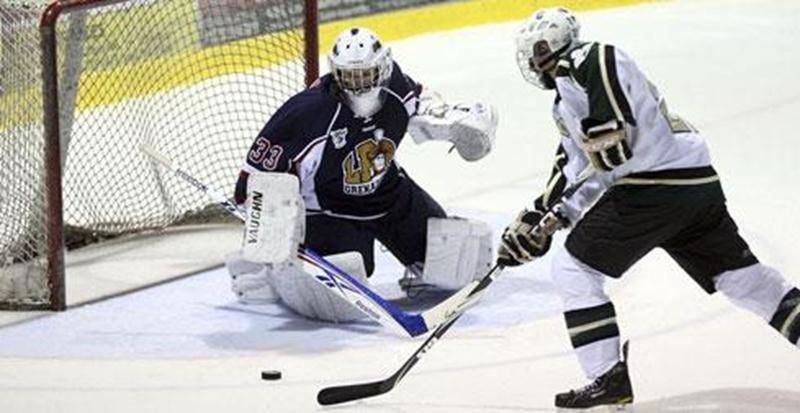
<point>84,83</point>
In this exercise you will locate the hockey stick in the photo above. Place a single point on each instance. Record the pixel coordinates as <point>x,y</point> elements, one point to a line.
<point>333,278</point>
<point>346,393</point>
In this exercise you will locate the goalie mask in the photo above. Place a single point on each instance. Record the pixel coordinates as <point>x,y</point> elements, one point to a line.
<point>546,36</point>
<point>361,66</point>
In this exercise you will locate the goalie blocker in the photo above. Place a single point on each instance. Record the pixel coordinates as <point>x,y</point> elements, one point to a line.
<point>268,267</point>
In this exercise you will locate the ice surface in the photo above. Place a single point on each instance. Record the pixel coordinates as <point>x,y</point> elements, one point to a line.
<point>727,66</point>
<point>199,317</point>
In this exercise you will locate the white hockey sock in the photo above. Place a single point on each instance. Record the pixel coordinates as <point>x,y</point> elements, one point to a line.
<point>763,291</point>
<point>595,336</point>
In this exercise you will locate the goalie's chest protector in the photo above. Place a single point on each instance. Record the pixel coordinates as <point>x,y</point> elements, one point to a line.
<point>350,168</point>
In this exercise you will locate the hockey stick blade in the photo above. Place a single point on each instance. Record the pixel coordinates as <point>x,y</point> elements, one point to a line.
<point>351,392</point>
<point>367,301</point>
<point>343,394</point>
<point>346,393</point>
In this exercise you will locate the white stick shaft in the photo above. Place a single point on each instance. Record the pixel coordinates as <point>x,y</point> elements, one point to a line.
<point>186,176</point>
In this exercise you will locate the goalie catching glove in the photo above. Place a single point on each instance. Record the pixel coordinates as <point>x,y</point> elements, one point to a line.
<point>470,127</point>
<point>528,237</point>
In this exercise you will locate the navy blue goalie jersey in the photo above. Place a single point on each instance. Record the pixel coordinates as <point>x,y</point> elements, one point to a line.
<point>345,164</point>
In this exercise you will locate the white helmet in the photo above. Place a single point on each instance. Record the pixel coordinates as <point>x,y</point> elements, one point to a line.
<point>361,66</point>
<point>541,40</point>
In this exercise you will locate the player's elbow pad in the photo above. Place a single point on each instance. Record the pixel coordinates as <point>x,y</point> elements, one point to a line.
<point>606,145</point>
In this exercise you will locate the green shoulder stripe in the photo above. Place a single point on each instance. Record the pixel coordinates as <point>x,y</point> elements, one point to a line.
<point>556,184</point>
<point>594,68</point>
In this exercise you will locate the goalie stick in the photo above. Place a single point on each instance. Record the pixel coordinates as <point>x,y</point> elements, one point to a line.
<point>333,278</point>
<point>346,393</point>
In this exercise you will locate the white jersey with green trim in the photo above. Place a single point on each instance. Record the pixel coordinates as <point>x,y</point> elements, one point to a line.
<point>597,84</point>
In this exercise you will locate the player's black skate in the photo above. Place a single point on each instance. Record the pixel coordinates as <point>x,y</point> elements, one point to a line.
<point>612,388</point>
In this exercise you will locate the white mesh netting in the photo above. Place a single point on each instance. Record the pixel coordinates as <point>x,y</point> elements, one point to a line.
<point>194,79</point>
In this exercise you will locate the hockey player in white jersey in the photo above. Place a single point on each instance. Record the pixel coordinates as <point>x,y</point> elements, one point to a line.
<point>653,187</point>
<point>322,173</point>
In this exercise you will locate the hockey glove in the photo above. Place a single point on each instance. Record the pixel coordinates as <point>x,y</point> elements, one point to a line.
<point>523,241</point>
<point>606,145</point>
<point>470,127</point>
<point>240,193</point>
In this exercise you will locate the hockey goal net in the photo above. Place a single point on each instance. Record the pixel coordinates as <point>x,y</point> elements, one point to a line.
<point>84,83</point>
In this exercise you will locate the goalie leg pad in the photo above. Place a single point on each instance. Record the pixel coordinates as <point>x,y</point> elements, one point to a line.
<point>275,223</point>
<point>296,288</point>
<point>458,252</point>
<point>250,281</point>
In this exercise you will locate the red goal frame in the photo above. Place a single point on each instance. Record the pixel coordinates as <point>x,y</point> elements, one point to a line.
<point>53,170</point>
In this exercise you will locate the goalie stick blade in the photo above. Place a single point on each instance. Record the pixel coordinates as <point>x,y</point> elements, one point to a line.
<point>347,393</point>
<point>341,394</point>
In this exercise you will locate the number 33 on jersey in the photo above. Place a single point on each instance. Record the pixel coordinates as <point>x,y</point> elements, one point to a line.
<point>339,157</point>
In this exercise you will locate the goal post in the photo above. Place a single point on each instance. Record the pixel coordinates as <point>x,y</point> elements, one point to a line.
<point>83,83</point>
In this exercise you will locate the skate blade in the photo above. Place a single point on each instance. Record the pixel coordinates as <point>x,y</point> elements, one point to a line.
<point>622,406</point>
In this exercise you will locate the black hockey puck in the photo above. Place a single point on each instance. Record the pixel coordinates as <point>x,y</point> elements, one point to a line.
<point>270,375</point>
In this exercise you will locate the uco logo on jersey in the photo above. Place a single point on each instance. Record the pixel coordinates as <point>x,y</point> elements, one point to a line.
<point>339,138</point>
<point>366,165</point>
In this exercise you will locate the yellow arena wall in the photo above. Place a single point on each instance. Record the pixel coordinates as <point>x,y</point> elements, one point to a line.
<point>133,78</point>
<point>402,24</point>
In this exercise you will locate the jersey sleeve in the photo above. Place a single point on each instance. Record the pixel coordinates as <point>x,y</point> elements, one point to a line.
<point>601,71</point>
<point>280,142</point>
<point>586,196</point>
<point>414,87</point>
<point>570,162</point>
<point>606,74</point>
<point>556,184</point>
<point>405,89</point>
